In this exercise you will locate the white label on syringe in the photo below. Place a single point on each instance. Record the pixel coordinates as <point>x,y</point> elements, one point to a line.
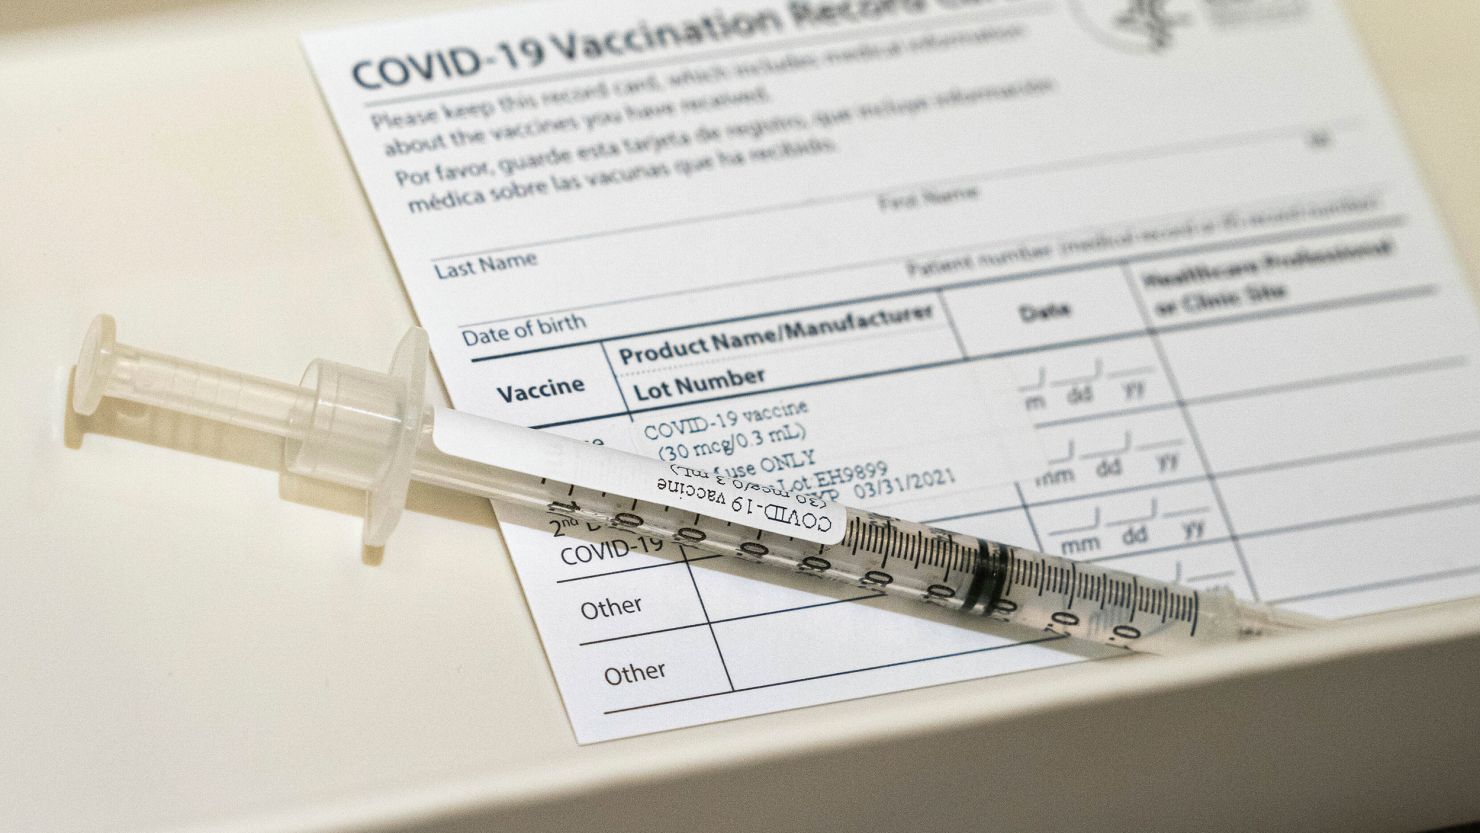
<point>566,460</point>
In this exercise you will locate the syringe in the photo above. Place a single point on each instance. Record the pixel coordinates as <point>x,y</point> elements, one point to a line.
<point>373,431</point>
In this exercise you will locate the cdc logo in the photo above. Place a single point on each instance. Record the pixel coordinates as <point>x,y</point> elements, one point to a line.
<point>1144,26</point>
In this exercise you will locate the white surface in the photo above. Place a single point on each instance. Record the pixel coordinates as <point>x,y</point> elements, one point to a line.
<point>183,646</point>
<point>1208,417</point>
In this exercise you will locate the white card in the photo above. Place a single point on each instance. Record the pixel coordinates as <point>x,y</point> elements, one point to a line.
<point>803,244</point>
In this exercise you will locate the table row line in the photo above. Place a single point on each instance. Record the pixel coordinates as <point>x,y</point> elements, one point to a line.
<point>1074,369</point>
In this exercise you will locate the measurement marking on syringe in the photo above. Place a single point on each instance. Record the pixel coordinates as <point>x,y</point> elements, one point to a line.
<point>1389,448</point>
<point>1469,436</point>
<point>1038,579</point>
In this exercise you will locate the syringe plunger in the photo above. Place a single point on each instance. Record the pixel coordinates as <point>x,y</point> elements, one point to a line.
<point>347,425</point>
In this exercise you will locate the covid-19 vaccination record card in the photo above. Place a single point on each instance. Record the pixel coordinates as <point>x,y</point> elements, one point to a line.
<point>867,249</point>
